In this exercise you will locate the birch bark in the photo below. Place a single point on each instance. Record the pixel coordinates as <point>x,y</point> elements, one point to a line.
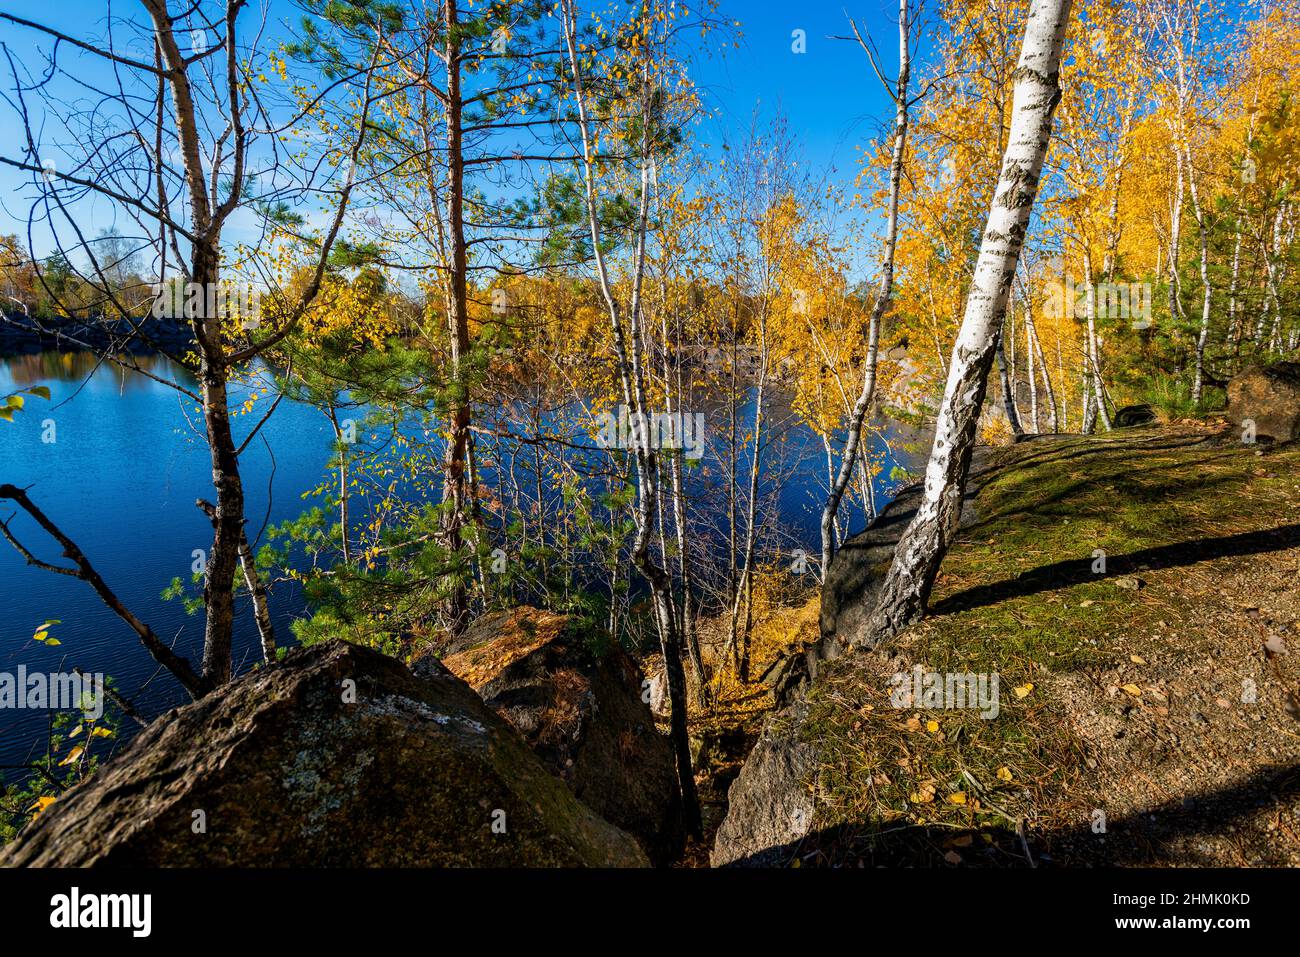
<point>921,548</point>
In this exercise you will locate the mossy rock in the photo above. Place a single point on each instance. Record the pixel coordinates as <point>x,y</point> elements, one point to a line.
<point>338,757</point>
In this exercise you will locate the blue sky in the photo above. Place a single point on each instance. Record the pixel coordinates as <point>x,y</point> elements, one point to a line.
<point>828,94</point>
<point>831,101</point>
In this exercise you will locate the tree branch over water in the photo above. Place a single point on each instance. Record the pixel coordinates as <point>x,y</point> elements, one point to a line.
<point>164,655</point>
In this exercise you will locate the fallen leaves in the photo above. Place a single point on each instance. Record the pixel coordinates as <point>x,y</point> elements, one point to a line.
<point>924,794</point>
<point>42,633</point>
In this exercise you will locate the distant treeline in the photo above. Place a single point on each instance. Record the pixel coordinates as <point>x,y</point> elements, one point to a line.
<point>22,334</point>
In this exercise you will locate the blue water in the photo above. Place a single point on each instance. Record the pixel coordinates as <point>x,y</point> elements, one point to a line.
<point>121,479</point>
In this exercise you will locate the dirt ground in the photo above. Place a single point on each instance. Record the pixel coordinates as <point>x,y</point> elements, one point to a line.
<point>1150,712</point>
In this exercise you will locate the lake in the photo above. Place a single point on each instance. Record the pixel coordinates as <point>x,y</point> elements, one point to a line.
<point>120,478</point>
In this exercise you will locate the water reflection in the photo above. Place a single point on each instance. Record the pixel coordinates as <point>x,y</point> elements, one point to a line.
<point>44,368</point>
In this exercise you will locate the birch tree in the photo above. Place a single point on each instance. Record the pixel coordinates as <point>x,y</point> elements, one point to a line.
<point>195,140</point>
<point>625,323</point>
<point>899,94</point>
<point>906,590</point>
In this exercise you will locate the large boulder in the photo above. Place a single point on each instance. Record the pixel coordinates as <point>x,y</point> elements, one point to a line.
<point>1133,415</point>
<point>769,805</point>
<point>337,757</point>
<point>1269,396</point>
<point>584,715</point>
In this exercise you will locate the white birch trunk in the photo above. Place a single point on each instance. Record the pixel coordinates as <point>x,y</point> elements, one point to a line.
<point>921,549</point>
<point>860,408</point>
<point>1207,288</point>
<point>628,352</point>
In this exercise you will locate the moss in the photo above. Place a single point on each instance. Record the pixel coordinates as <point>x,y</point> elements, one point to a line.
<point>1018,595</point>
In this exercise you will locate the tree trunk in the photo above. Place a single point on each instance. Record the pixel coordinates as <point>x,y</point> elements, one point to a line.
<point>454,478</point>
<point>1008,391</point>
<point>228,516</point>
<point>674,399</point>
<point>344,519</point>
<point>857,418</point>
<point>1030,358</point>
<point>631,378</point>
<point>1206,286</point>
<point>1036,349</point>
<point>1175,238</point>
<point>256,590</point>
<point>906,590</point>
<point>1094,354</point>
<point>745,594</point>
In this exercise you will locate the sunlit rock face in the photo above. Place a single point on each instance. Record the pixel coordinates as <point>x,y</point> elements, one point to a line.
<point>1268,398</point>
<point>583,712</point>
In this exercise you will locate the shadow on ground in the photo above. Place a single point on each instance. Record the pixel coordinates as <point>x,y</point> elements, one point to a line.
<point>1065,574</point>
<point>1144,839</point>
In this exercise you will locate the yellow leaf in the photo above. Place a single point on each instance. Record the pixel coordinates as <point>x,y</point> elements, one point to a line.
<point>101,733</point>
<point>958,798</point>
<point>75,731</point>
<point>41,804</point>
<point>1136,659</point>
<point>1023,690</point>
<point>1004,774</point>
<point>72,756</point>
<point>932,726</point>
<point>1134,690</point>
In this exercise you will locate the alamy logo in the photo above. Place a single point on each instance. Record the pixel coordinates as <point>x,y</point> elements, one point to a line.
<point>58,691</point>
<point>933,689</point>
<point>194,300</point>
<point>1131,301</point>
<point>73,910</point>
<point>682,431</point>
